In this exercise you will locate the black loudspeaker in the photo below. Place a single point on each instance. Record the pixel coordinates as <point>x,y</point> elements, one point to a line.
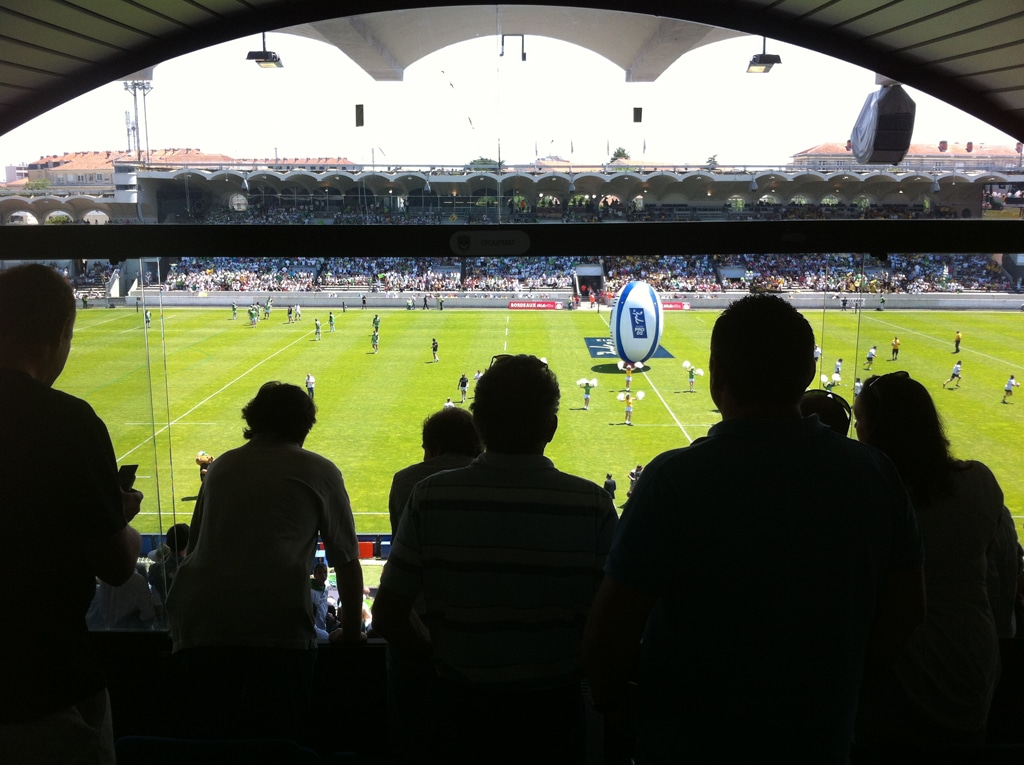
<point>884,128</point>
<point>638,114</point>
<point>359,115</point>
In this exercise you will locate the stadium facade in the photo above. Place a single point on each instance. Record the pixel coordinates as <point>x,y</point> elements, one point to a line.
<point>188,185</point>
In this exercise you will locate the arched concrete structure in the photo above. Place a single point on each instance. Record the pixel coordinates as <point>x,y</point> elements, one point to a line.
<point>965,53</point>
<point>385,44</point>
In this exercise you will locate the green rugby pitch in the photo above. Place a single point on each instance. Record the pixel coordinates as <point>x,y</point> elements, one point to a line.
<point>179,388</point>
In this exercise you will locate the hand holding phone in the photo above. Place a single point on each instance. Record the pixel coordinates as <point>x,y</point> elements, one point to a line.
<point>126,476</point>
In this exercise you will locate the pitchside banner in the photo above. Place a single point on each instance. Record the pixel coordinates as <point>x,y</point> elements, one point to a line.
<point>674,305</point>
<point>602,347</point>
<point>535,305</point>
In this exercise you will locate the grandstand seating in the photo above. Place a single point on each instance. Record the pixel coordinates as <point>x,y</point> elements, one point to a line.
<point>912,274</point>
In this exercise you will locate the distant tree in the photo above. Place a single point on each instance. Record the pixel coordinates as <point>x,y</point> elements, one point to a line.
<point>712,162</point>
<point>485,163</point>
<point>38,184</point>
<point>620,153</point>
<point>59,220</point>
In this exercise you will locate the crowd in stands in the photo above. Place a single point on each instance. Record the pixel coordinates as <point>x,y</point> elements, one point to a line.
<point>667,273</point>
<point>261,216</point>
<point>814,272</point>
<point>392,274</point>
<point>309,214</point>
<point>520,274</point>
<point>915,274</point>
<point>675,274</point>
<point>767,211</point>
<point>199,274</point>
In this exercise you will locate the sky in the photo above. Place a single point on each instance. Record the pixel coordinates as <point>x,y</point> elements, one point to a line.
<point>465,101</point>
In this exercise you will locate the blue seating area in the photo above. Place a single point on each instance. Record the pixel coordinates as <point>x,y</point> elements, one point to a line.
<point>380,544</point>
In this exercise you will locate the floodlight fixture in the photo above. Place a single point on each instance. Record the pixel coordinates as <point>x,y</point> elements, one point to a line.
<point>522,39</point>
<point>265,59</point>
<point>762,63</point>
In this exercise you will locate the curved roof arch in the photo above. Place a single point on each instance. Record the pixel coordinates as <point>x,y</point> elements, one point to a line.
<point>970,55</point>
<point>385,44</point>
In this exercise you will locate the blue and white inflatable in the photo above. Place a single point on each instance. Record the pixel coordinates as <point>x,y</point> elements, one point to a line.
<point>636,322</point>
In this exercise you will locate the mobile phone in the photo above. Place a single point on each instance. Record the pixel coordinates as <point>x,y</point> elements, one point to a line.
<point>126,476</point>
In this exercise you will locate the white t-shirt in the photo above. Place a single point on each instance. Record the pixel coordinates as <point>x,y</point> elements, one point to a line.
<point>255,527</point>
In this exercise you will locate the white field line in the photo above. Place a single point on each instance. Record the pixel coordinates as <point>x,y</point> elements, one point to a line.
<point>177,420</point>
<point>164,424</point>
<point>660,397</point>
<point>96,324</point>
<point>667,407</point>
<point>904,331</point>
<point>354,512</point>
<point>651,425</point>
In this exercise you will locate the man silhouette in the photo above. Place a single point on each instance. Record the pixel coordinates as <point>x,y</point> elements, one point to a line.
<point>831,587</point>
<point>54,707</point>
<point>506,555</point>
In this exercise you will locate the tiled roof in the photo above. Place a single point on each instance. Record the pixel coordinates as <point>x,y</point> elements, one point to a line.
<point>920,150</point>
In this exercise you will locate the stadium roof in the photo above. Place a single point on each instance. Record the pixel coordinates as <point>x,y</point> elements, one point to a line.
<point>968,54</point>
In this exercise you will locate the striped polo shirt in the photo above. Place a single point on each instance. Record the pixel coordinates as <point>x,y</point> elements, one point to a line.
<point>504,558</point>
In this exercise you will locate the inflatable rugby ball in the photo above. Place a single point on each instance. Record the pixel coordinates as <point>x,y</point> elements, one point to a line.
<point>636,322</point>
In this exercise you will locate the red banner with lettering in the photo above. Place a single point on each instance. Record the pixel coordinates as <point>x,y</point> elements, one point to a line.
<point>534,305</point>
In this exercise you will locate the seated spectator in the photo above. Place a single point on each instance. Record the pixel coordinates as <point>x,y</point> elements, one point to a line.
<point>506,555</point>
<point>161,573</point>
<point>939,688</point>
<point>450,440</point>
<point>127,606</point>
<point>318,593</point>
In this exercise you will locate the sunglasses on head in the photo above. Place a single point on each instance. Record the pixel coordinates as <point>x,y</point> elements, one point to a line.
<point>821,393</point>
<point>871,385</point>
